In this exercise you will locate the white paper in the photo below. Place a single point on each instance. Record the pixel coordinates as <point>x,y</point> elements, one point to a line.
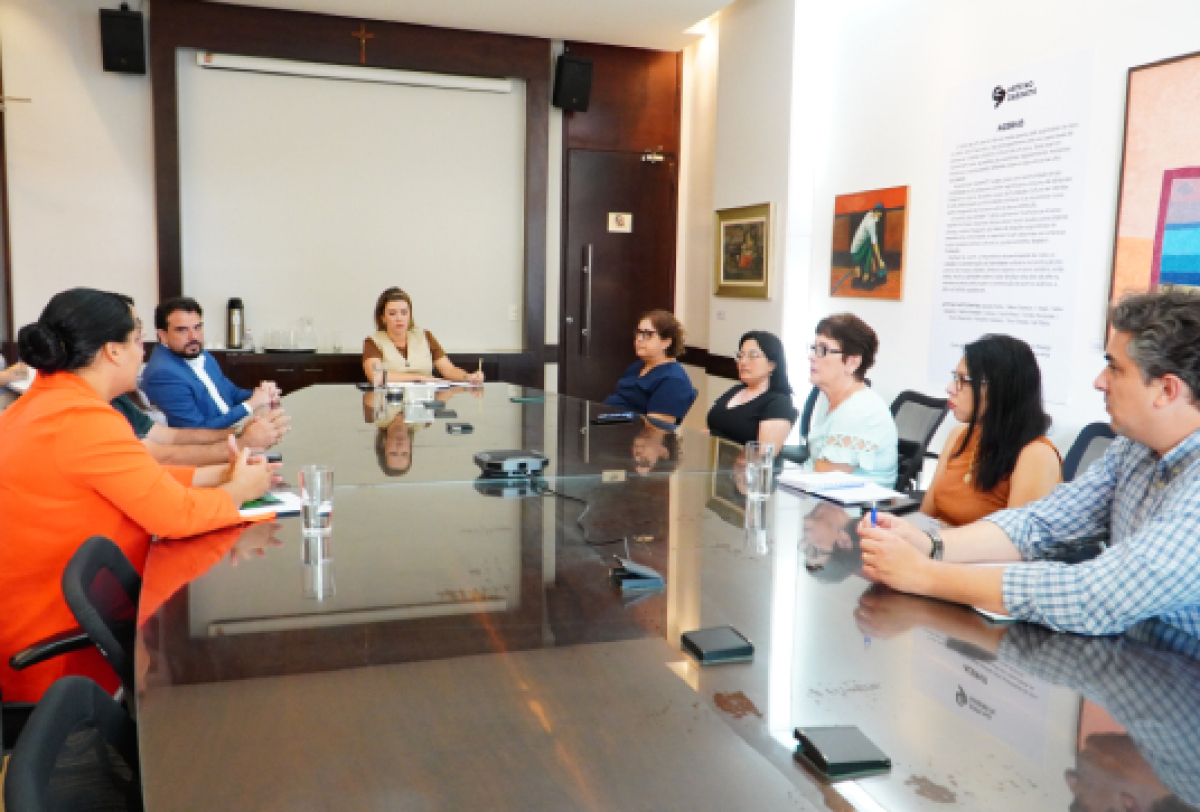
<point>1012,215</point>
<point>836,486</point>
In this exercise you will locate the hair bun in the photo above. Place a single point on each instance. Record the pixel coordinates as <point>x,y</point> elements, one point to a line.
<point>41,347</point>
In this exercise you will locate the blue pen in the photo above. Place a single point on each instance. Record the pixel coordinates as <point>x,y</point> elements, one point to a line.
<point>874,523</point>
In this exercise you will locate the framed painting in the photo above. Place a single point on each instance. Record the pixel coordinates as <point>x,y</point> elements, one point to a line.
<point>743,252</point>
<point>869,236</point>
<point>1157,239</point>
<point>724,497</point>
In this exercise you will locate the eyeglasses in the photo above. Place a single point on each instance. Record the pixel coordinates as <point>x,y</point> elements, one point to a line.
<point>957,381</point>
<point>749,355</point>
<point>645,335</point>
<point>820,350</point>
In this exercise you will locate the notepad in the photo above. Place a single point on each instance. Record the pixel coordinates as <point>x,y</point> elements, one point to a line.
<point>717,645</point>
<point>837,486</point>
<point>280,503</point>
<point>840,752</point>
<point>634,577</point>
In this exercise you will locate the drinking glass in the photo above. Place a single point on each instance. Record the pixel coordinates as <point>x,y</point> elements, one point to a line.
<point>755,543</point>
<point>760,459</point>
<point>318,581</point>
<point>316,496</point>
<point>379,375</point>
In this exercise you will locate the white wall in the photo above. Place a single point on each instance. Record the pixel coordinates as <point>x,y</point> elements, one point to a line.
<point>697,145</point>
<point>80,160</point>
<point>890,73</point>
<point>752,146</point>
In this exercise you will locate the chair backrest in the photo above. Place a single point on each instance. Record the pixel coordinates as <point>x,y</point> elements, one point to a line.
<point>806,415</point>
<point>102,590</point>
<point>1088,447</point>
<point>78,752</point>
<point>917,419</point>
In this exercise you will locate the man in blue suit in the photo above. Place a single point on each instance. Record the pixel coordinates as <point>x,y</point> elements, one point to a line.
<point>185,382</point>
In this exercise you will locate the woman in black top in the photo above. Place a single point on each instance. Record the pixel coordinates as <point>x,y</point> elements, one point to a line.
<point>760,407</point>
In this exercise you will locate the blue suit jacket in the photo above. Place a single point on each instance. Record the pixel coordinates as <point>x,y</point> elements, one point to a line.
<point>172,386</point>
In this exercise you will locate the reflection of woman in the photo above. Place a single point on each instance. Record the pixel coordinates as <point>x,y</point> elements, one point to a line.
<point>760,408</point>
<point>831,544</point>
<point>656,385</point>
<point>852,428</point>
<point>654,445</point>
<point>408,352</point>
<point>71,468</point>
<point>394,439</point>
<point>1001,458</point>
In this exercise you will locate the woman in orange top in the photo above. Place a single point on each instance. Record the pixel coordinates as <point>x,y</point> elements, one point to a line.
<point>71,468</point>
<point>1001,458</point>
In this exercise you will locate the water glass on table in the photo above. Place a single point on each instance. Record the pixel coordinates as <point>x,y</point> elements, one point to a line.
<point>316,496</point>
<point>760,461</point>
<point>379,375</point>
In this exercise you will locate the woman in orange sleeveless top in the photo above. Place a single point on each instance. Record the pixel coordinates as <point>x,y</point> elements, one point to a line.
<point>71,468</point>
<point>1001,457</point>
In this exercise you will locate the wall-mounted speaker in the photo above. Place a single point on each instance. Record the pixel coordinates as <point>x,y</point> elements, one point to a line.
<point>123,40</point>
<point>573,83</point>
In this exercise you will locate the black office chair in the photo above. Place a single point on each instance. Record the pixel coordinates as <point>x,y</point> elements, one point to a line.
<point>917,419</point>
<point>799,453</point>
<point>78,752</point>
<point>102,590</point>
<point>1088,447</point>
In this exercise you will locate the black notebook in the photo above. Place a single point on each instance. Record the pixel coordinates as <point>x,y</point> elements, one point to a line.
<point>841,752</point>
<point>718,645</point>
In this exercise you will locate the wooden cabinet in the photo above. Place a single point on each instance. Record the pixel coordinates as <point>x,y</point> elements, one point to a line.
<point>296,370</point>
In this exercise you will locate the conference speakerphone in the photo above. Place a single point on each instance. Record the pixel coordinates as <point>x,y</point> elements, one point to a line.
<point>511,464</point>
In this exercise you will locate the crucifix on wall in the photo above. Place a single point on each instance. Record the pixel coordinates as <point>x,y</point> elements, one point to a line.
<point>362,36</point>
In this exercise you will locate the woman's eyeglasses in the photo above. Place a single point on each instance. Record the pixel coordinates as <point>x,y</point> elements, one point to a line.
<point>820,350</point>
<point>957,381</point>
<point>749,355</point>
<point>645,335</point>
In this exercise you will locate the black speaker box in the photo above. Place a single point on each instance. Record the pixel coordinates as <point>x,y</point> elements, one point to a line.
<point>573,83</point>
<point>123,40</point>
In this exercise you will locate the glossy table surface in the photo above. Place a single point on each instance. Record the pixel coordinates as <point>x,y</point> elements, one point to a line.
<point>445,649</point>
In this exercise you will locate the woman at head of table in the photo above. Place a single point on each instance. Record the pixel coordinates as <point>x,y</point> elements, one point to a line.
<point>656,385</point>
<point>1000,458</point>
<point>852,429</point>
<point>71,468</point>
<point>408,352</point>
<point>760,408</point>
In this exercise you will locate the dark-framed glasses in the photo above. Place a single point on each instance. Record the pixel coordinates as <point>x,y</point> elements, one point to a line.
<point>958,381</point>
<point>820,350</point>
<point>645,335</point>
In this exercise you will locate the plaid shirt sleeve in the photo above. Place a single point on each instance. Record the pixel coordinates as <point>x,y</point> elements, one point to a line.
<point>1151,573</point>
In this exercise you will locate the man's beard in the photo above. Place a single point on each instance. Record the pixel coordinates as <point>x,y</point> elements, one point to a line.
<point>190,351</point>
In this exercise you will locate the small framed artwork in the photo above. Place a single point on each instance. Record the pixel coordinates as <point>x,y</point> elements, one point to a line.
<point>724,498</point>
<point>742,252</point>
<point>869,231</point>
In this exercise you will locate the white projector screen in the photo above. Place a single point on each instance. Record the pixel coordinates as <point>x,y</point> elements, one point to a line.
<point>307,197</point>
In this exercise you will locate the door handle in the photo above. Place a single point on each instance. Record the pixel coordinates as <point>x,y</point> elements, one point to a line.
<point>587,312</point>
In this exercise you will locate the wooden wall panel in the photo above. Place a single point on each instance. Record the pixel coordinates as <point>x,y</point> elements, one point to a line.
<point>264,32</point>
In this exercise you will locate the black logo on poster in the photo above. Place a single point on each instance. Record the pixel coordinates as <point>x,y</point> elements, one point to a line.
<point>1011,94</point>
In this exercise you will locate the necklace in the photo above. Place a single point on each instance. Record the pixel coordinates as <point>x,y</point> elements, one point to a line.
<point>971,466</point>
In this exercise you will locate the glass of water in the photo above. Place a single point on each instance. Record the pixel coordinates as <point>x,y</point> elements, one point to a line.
<point>760,460</point>
<point>316,496</point>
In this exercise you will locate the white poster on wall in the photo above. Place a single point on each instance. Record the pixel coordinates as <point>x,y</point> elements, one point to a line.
<point>1012,207</point>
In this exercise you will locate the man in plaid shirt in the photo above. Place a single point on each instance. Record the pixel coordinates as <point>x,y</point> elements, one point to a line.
<point>1144,494</point>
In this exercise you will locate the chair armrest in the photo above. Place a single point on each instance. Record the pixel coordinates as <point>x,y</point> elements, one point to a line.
<point>794,453</point>
<point>53,646</point>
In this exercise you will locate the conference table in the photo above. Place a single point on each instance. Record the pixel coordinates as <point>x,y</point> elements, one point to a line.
<point>454,646</point>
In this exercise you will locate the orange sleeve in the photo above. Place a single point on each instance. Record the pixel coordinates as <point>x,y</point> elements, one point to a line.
<point>98,449</point>
<point>184,474</point>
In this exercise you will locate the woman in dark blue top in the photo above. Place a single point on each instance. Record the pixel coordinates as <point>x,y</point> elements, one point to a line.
<point>656,384</point>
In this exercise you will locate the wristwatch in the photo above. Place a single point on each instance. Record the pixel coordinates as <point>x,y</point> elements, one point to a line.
<point>936,552</point>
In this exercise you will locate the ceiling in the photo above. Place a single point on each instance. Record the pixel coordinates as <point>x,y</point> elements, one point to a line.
<point>658,24</point>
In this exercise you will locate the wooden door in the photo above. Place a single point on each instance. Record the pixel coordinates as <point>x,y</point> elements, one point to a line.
<point>611,277</point>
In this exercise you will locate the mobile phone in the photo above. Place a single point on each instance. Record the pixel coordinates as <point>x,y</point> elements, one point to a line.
<point>273,456</point>
<point>614,417</point>
<point>459,428</point>
<point>447,413</point>
<point>528,400</point>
